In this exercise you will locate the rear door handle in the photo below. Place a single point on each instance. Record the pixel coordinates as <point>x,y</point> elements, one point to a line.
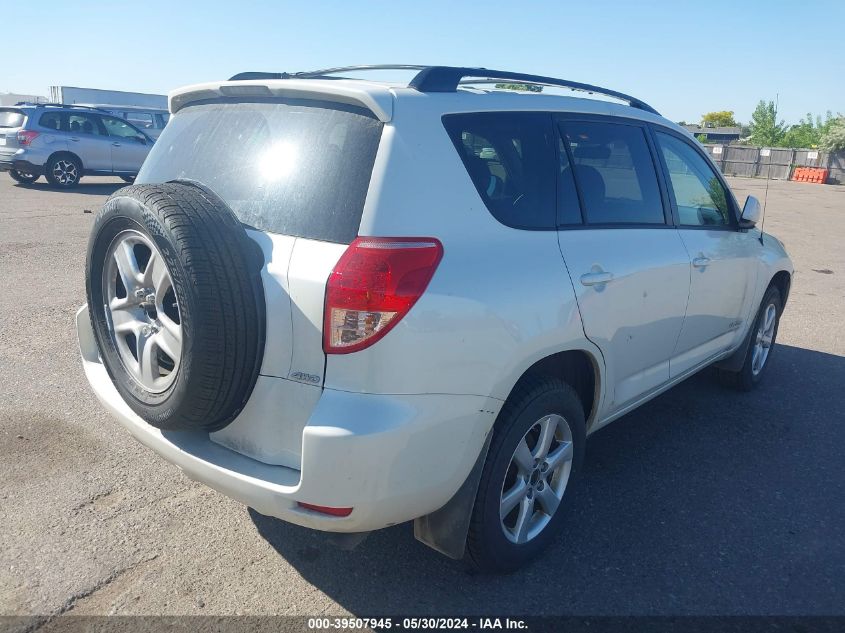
<point>74,139</point>
<point>701,262</point>
<point>116,144</point>
<point>596,279</point>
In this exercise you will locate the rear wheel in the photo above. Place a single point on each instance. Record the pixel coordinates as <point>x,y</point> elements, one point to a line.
<point>23,177</point>
<point>759,353</point>
<point>63,171</point>
<point>537,448</point>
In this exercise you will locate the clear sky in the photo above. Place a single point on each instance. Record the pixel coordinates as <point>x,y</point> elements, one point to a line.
<point>683,58</point>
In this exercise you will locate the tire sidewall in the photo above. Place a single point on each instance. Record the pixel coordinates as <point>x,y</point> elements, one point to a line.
<point>508,556</point>
<point>121,214</point>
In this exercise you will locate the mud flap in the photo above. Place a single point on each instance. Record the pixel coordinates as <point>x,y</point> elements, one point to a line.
<point>735,361</point>
<point>445,530</point>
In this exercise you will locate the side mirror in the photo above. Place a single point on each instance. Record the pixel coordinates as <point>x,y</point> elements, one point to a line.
<point>751,213</point>
<point>141,139</point>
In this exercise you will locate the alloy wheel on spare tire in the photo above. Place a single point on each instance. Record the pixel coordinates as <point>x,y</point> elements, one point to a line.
<point>63,171</point>
<point>176,304</point>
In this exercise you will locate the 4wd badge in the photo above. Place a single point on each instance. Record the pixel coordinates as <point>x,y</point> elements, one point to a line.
<point>303,377</point>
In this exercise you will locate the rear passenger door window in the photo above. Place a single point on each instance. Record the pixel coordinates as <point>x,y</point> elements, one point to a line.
<point>615,173</point>
<point>510,158</point>
<point>53,121</point>
<point>84,124</point>
<point>700,197</point>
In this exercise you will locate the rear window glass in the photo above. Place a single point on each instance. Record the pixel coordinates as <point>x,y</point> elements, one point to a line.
<point>511,160</point>
<point>293,167</point>
<point>11,118</point>
<point>615,173</point>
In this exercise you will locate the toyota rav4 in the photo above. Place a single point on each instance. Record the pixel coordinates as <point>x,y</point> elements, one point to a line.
<point>350,304</point>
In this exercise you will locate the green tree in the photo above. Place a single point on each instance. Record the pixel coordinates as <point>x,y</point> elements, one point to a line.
<point>764,127</point>
<point>808,132</point>
<point>521,87</point>
<point>722,118</point>
<point>701,138</point>
<point>833,139</point>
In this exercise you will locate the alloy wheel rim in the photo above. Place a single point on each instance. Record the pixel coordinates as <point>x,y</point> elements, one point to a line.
<point>764,339</point>
<point>65,172</point>
<point>143,314</point>
<point>536,479</point>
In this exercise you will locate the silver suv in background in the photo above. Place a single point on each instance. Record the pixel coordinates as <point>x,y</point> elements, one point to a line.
<point>149,120</point>
<point>64,143</point>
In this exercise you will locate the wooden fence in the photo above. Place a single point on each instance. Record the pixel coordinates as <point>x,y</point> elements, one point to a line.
<point>775,162</point>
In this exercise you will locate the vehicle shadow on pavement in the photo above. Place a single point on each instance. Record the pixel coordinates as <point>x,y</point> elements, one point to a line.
<point>703,501</point>
<point>86,189</point>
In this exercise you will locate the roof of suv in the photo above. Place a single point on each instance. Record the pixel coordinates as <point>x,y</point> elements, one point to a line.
<point>379,96</point>
<point>57,106</point>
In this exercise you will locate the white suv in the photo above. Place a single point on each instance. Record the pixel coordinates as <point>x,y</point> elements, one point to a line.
<point>350,304</point>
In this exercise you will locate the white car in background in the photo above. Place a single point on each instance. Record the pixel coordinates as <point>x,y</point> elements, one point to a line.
<point>350,304</point>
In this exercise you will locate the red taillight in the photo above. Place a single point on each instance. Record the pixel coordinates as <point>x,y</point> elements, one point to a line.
<point>373,285</point>
<point>25,137</point>
<point>335,512</point>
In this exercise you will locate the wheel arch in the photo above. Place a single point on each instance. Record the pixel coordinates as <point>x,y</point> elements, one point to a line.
<point>579,368</point>
<point>782,280</point>
<point>65,152</point>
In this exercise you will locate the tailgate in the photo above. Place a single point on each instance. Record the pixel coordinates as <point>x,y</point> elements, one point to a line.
<point>296,174</point>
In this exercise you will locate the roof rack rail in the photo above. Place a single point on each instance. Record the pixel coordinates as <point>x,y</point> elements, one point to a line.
<point>58,105</point>
<point>321,74</point>
<point>448,78</point>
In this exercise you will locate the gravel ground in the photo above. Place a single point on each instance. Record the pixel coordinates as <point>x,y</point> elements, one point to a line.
<point>703,501</point>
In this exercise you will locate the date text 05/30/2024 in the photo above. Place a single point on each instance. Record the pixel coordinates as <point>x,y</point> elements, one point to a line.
<point>411,624</point>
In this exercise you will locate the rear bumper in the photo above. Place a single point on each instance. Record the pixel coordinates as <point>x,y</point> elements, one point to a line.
<point>391,458</point>
<point>9,163</point>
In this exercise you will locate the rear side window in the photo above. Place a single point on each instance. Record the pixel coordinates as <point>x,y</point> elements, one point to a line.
<point>293,167</point>
<point>11,118</point>
<point>615,173</point>
<point>511,160</point>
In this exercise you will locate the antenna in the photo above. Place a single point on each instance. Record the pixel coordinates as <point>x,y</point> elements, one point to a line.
<point>768,171</point>
<point>766,194</point>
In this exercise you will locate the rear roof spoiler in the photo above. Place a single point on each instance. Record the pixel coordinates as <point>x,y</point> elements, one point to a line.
<point>379,102</point>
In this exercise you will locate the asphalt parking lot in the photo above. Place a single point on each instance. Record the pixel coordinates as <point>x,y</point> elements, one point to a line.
<point>704,501</point>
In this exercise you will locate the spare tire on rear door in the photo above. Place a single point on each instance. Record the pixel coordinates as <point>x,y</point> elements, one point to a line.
<point>176,304</point>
